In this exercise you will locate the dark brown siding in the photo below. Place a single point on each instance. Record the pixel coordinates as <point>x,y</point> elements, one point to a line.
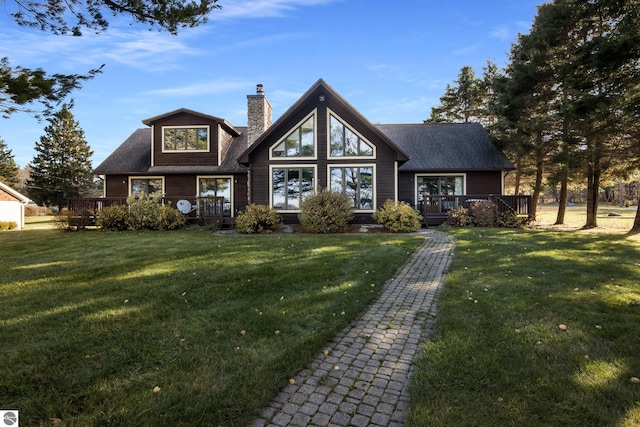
<point>180,185</point>
<point>116,185</point>
<point>240,192</point>
<point>406,187</point>
<point>488,182</point>
<point>186,158</point>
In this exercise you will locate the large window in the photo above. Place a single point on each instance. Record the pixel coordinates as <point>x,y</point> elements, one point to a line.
<point>185,138</point>
<point>146,186</point>
<point>345,142</point>
<point>299,143</point>
<point>355,182</point>
<point>440,185</point>
<point>290,186</point>
<point>218,187</point>
<point>436,193</point>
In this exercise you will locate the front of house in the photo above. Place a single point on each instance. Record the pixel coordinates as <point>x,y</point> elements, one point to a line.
<point>320,142</point>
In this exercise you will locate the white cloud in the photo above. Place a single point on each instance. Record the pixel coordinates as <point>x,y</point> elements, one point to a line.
<point>211,87</point>
<point>260,8</point>
<point>137,49</point>
<point>502,32</point>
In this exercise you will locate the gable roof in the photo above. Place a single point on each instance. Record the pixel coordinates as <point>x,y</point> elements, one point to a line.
<point>441,147</point>
<point>13,193</point>
<point>325,89</point>
<point>133,156</point>
<point>151,120</point>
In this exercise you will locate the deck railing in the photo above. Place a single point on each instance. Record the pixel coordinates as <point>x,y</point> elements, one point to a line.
<point>435,208</point>
<point>203,209</point>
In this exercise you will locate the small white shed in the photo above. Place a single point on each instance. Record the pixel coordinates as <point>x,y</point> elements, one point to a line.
<point>12,205</point>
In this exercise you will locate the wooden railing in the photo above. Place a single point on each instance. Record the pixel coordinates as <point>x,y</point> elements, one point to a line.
<point>434,209</point>
<point>208,210</point>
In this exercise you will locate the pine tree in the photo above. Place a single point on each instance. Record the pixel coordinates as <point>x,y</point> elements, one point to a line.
<point>8,167</point>
<point>62,167</point>
<point>461,102</point>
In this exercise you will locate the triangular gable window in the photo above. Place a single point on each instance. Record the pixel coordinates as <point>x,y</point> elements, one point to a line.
<point>299,143</point>
<point>345,142</point>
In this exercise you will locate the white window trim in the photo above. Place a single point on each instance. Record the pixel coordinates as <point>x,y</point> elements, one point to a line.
<point>420,175</point>
<point>187,127</point>
<point>344,122</point>
<point>296,126</point>
<point>357,165</point>
<point>291,166</point>
<point>131,178</point>
<point>231,189</point>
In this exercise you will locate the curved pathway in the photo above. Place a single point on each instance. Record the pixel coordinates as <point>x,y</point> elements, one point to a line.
<point>362,378</point>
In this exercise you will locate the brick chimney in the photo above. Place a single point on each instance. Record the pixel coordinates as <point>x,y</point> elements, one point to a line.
<point>258,114</point>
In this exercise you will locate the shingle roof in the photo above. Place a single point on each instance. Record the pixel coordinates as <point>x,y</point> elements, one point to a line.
<point>442,147</point>
<point>134,156</point>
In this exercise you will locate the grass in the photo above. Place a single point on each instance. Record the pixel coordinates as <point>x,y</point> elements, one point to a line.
<point>499,355</point>
<point>92,323</point>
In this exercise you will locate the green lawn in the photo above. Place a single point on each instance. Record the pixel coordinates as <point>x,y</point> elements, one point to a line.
<point>173,328</point>
<point>499,355</point>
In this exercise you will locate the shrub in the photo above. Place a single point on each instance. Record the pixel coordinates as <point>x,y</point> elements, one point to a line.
<point>398,217</point>
<point>8,225</point>
<point>326,212</point>
<point>171,218</point>
<point>258,219</point>
<point>484,213</point>
<point>144,212</point>
<point>114,218</point>
<point>458,217</point>
<point>511,220</point>
<point>66,220</point>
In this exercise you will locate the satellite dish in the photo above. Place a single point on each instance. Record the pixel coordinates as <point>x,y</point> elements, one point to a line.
<point>184,206</point>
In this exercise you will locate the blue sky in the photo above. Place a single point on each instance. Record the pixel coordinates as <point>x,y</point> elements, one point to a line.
<point>390,60</point>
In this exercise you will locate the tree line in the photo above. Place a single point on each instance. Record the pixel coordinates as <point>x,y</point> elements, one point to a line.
<point>566,106</point>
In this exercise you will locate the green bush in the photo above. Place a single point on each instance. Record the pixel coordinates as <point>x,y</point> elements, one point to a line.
<point>326,212</point>
<point>459,217</point>
<point>484,213</point>
<point>144,212</point>
<point>171,218</point>
<point>114,218</point>
<point>8,225</point>
<point>398,217</point>
<point>258,219</point>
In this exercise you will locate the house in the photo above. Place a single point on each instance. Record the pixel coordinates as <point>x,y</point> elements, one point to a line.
<point>320,142</point>
<point>12,206</point>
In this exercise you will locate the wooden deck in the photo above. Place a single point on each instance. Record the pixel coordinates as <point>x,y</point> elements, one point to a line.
<point>204,210</point>
<point>434,209</point>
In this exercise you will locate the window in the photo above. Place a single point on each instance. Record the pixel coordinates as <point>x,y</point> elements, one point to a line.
<point>345,142</point>
<point>146,186</point>
<point>299,143</point>
<point>440,185</point>
<point>220,187</point>
<point>355,182</point>
<point>290,186</point>
<point>186,138</point>
<point>435,193</point>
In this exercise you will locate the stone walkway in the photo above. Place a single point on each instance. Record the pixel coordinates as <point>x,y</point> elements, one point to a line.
<point>362,376</point>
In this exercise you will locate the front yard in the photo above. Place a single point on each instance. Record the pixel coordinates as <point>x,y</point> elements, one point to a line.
<point>174,328</point>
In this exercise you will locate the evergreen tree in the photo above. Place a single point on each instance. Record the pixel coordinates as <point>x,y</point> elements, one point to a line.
<point>460,103</point>
<point>8,167</point>
<point>62,167</point>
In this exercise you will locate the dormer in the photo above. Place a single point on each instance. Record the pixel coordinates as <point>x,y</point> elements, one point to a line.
<point>187,138</point>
